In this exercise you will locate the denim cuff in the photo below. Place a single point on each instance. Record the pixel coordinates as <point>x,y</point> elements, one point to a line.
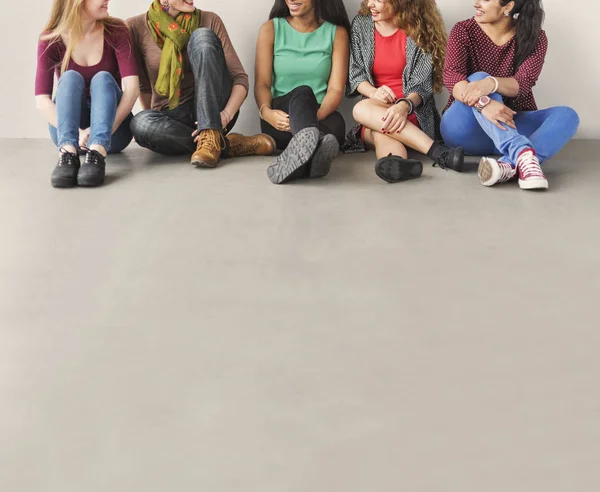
<point>75,144</point>
<point>104,143</point>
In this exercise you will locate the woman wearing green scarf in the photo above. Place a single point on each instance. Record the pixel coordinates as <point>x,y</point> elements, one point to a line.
<point>192,85</point>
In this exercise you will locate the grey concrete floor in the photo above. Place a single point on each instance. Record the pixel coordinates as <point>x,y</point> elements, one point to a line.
<point>204,330</point>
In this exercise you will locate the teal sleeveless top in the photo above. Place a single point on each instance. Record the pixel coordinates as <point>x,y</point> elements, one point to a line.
<point>301,58</point>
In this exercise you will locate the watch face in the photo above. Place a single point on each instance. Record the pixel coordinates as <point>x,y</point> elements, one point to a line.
<point>484,100</point>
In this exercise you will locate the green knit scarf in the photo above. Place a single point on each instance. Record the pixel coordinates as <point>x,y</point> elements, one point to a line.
<point>172,36</point>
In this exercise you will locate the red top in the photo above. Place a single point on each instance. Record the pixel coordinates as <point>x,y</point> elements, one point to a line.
<point>117,59</point>
<point>389,64</point>
<point>470,50</point>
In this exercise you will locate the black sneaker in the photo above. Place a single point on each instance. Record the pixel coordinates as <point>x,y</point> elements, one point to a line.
<point>394,168</point>
<point>327,150</point>
<point>448,158</point>
<point>93,170</point>
<point>292,162</point>
<point>65,172</point>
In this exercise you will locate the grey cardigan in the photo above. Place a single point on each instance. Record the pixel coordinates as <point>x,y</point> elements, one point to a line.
<point>417,77</point>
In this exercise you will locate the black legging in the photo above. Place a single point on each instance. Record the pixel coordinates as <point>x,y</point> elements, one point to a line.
<point>302,106</point>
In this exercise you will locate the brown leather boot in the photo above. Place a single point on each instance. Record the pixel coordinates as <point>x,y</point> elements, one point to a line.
<point>208,151</point>
<point>260,144</point>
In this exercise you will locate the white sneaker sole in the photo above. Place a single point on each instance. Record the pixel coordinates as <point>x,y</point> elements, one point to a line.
<point>488,171</point>
<point>533,184</point>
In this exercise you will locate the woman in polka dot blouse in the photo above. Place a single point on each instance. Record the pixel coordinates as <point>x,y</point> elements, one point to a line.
<point>492,63</point>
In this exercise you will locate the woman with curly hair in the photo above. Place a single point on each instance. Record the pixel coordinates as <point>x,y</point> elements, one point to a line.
<point>396,62</point>
<point>300,74</point>
<point>494,60</point>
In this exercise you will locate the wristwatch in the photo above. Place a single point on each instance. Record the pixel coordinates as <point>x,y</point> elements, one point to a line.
<point>482,103</point>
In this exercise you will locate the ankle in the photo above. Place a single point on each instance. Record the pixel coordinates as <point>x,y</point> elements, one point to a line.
<point>436,149</point>
<point>68,148</point>
<point>100,149</point>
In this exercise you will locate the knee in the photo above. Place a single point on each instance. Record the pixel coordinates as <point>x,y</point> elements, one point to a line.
<point>569,118</point>
<point>102,77</point>
<point>303,91</point>
<point>72,77</point>
<point>478,76</point>
<point>202,39</point>
<point>140,123</point>
<point>360,110</point>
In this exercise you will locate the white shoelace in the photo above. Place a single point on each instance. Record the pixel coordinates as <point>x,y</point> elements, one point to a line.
<point>506,172</point>
<point>529,166</point>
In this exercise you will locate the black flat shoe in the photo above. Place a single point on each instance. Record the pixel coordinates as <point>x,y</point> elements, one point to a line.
<point>65,172</point>
<point>93,170</point>
<point>394,168</point>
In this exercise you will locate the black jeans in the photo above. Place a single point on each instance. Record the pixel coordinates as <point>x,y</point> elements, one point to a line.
<point>169,131</point>
<point>302,106</point>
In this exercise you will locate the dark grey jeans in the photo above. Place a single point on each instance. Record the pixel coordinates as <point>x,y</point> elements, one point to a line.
<point>169,131</point>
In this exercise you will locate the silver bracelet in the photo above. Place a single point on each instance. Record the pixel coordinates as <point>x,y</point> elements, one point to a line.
<point>411,106</point>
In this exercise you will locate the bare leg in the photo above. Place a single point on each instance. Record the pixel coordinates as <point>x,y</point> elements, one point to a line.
<point>384,145</point>
<point>370,113</point>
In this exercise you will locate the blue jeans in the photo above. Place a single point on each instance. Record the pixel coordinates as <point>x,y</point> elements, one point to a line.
<point>546,131</point>
<point>74,111</point>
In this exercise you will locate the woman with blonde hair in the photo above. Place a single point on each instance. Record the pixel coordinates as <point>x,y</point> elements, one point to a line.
<point>91,55</point>
<point>396,62</point>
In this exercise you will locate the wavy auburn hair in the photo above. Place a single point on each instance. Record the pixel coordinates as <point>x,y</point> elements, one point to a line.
<point>422,21</point>
<point>65,21</point>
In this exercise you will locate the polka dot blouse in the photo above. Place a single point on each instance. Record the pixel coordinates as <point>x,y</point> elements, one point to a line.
<point>470,50</point>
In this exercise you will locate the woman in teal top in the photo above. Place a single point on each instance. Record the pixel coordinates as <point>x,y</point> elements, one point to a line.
<point>301,71</point>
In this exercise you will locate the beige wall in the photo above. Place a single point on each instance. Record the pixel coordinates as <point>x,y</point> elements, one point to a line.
<point>570,77</point>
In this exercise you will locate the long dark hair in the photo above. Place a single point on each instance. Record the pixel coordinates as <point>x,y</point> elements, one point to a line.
<point>529,18</point>
<point>332,11</point>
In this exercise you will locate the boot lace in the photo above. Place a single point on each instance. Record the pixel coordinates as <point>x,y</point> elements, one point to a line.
<point>211,139</point>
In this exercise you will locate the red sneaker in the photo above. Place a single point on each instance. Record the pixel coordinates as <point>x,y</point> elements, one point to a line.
<point>531,176</point>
